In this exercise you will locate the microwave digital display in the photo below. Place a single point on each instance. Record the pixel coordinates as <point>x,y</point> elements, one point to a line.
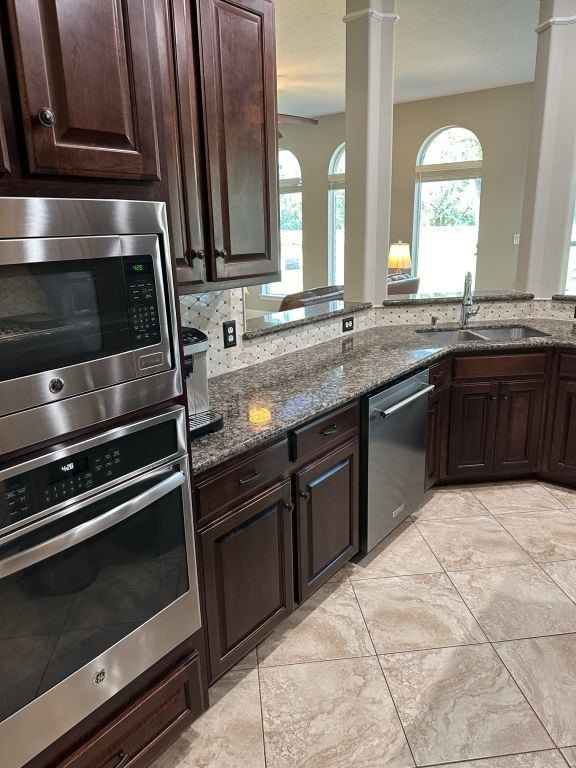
<point>60,470</point>
<point>139,268</point>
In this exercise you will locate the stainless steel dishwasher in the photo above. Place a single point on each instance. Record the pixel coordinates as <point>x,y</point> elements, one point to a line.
<point>396,456</point>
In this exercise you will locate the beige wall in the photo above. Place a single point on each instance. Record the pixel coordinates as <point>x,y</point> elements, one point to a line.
<point>501,119</point>
<point>314,146</point>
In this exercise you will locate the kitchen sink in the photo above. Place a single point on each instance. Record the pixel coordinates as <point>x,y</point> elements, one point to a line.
<point>508,333</point>
<point>449,337</point>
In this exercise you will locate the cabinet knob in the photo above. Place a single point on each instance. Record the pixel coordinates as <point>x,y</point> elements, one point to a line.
<point>289,506</point>
<point>200,255</point>
<point>223,254</point>
<point>504,397</point>
<point>46,117</point>
<point>305,495</point>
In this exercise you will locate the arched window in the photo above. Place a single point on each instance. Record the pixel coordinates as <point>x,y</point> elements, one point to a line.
<point>290,189</point>
<point>336,210</point>
<point>447,209</point>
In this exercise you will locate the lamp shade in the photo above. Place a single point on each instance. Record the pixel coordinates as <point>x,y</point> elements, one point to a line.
<point>399,256</point>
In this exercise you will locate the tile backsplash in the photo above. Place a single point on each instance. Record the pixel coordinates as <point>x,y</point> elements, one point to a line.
<point>207,311</point>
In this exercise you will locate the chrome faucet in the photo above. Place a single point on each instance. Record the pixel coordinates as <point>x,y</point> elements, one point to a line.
<point>468,310</point>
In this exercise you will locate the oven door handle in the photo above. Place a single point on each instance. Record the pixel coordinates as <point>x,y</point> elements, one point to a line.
<point>91,528</point>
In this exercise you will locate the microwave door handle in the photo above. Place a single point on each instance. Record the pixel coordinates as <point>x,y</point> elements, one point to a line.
<point>80,533</point>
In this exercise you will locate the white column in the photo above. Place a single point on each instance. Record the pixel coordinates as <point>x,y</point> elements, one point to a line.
<point>551,175</point>
<point>370,32</point>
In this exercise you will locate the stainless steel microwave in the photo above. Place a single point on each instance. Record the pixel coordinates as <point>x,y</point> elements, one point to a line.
<point>87,315</point>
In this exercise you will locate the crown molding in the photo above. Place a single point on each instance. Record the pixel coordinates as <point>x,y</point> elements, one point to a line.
<point>555,21</point>
<point>370,13</point>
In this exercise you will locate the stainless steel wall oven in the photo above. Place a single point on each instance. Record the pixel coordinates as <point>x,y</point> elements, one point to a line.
<point>87,315</point>
<point>97,575</point>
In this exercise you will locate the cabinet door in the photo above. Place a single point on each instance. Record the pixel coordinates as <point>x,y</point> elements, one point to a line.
<point>327,505</point>
<point>562,459</point>
<point>85,75</point>
<point>4,162</point>
<point>434,438</point>
<point>473,415</point>
<point>248,576</point>
<point>192,269</point>
<point>519,421</point>
<point>237,43</point>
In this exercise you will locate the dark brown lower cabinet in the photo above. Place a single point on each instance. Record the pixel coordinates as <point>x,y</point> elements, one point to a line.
<point>247,565</point>
<point>144,730</point>
<point>473,415</point>
<point>327,517</point>
<point>495,428</point>
<point>562,440</point>
<point>436,436</point>
<point>519,427</point>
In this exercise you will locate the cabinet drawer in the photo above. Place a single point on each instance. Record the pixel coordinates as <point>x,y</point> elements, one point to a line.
<point>567,366</point>
<point>440,374</point>
<point>323,433</point>
<point>143,732</point>
<point>232,486</point>
<point>499,366</point>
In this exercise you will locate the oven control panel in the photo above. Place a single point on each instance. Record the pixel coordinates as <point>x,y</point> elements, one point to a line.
<point>56,482</point>
<point>142,301</point>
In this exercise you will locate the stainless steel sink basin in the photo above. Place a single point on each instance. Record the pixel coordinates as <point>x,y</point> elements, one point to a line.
<point>449,337</point>
<point>509,333</point>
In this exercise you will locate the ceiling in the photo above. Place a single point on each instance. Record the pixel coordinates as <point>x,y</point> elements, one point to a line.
<point>442,47</point>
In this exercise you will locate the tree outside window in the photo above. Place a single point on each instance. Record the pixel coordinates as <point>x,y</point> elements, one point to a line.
<point>336,215</point>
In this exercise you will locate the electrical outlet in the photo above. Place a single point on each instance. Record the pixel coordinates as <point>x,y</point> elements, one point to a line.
<point>229,329</point>
<point>347,324</point>
<point>348,345</point>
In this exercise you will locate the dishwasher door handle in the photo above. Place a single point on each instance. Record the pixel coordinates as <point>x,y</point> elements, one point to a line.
<point>403,403</point>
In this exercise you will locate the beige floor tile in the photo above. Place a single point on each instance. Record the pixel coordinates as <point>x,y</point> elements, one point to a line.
<point>229,734</point>
<point>333,714</point>
<point>447,503</point>
<point>475,542</point>
<point>401,553</point>
<point>570,755</point>
<point>545,670</point>
<point>564,574</point>
<point>408,613</point>
<point>250,661</point>
<point>329,625</point>
<point>516,601</point>
<point>512,497</point>
<point>566,495</point>
<point>339,576</point>
<point>461,704</point>
<point>545,535</point>
<point>551,758</point>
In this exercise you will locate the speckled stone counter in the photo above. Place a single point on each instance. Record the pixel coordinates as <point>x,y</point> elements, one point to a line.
<point>453,298</point>
<point>275,322</point>
<point>265,400</point>
<point>566,297</point>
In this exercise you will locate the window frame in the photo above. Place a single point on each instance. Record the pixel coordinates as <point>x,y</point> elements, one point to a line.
<point>336,181</point>
<point>464,169</point>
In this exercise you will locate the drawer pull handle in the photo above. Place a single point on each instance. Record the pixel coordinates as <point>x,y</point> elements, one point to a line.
<point>330,430</point>
<point>305,495</point>
<point>123,761</point>
<point>249,478</point>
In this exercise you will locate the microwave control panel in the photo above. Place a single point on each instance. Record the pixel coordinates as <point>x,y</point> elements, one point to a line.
<point>142,301</point>
<point>54,483</point>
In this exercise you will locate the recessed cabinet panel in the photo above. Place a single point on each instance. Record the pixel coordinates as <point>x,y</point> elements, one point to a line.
<point>85,75</point>
<point>4,161</point>
<point>237,52</point>
<point>327,517</point>
<point>519,421</point>
<point>563,443</point>
<point>472,429</point>
<point>248,575</point>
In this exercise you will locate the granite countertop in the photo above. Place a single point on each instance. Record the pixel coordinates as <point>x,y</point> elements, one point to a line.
<point>567,297</point>
<point>275,322</point>
<point>265,400</point>
<point>452,298</point>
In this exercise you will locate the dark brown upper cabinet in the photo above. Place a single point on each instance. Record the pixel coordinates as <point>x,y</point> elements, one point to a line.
<point>236,52</point>
<point>85,77</point>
